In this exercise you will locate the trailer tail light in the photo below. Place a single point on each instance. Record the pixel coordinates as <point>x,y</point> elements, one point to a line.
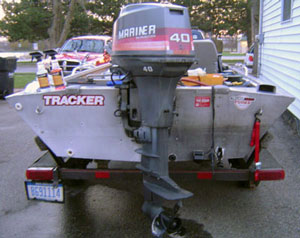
<point>272,174</point>
<point>102,175</point>
<point>39,174</point>
<point>204,175</point>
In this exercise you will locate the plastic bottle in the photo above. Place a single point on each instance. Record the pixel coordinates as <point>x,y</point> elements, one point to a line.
<point>42,77</point>
<point>57,75</point>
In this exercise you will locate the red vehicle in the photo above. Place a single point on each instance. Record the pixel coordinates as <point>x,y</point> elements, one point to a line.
<point>249,57</point>
<point>84,52</point>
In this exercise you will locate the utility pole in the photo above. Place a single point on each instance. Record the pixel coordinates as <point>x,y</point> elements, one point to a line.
<point>255,28</point>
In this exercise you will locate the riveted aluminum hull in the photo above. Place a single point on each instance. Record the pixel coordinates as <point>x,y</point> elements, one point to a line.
<point>82,128</point>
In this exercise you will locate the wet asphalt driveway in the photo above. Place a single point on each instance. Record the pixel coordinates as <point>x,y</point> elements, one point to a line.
<point>113,208</point>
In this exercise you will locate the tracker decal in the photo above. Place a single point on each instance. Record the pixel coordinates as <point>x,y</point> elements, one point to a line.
<point>74,100</point>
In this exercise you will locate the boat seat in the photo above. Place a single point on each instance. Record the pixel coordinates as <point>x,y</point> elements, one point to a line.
<point>206,56</point>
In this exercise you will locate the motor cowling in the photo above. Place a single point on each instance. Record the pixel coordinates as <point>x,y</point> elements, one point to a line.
<point>153,39</point>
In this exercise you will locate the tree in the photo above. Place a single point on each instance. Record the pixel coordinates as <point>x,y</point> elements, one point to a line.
<point>218,17</point>
<point>35,20</point>
<point>25,20</point>
<point>104,13</point>
<point>254,13</point>
<point>58,20</point>
<point>63,13</point>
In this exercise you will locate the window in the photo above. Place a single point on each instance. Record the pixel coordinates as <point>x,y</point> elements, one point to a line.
<point>84,45</point>
<point>286,10</point>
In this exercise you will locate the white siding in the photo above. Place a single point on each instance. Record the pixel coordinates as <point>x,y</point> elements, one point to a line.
<point>280,51</point>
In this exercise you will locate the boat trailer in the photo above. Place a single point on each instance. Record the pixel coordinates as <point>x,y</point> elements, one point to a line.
<point>166,124</point>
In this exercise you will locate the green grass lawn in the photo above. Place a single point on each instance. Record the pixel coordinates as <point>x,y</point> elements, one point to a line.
<point>232,61</point>
<point>232,54</point>
<point>26,63</point>
<point>22,79</point>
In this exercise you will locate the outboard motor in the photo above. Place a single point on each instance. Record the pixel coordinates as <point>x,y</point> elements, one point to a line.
<point>153,43</point>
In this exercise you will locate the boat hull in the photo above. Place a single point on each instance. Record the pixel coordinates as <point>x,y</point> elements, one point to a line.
<point>81,121</point>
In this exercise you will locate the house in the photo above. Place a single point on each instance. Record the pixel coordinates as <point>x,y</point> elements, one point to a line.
<point>279,51</point>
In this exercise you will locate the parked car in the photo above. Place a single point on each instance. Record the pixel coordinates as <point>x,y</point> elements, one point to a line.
<point>248,61</point>
<point>83,51</point>
<point>198,34</point>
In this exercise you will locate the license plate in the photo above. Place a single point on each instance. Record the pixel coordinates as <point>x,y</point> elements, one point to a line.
<point>44,191</point>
